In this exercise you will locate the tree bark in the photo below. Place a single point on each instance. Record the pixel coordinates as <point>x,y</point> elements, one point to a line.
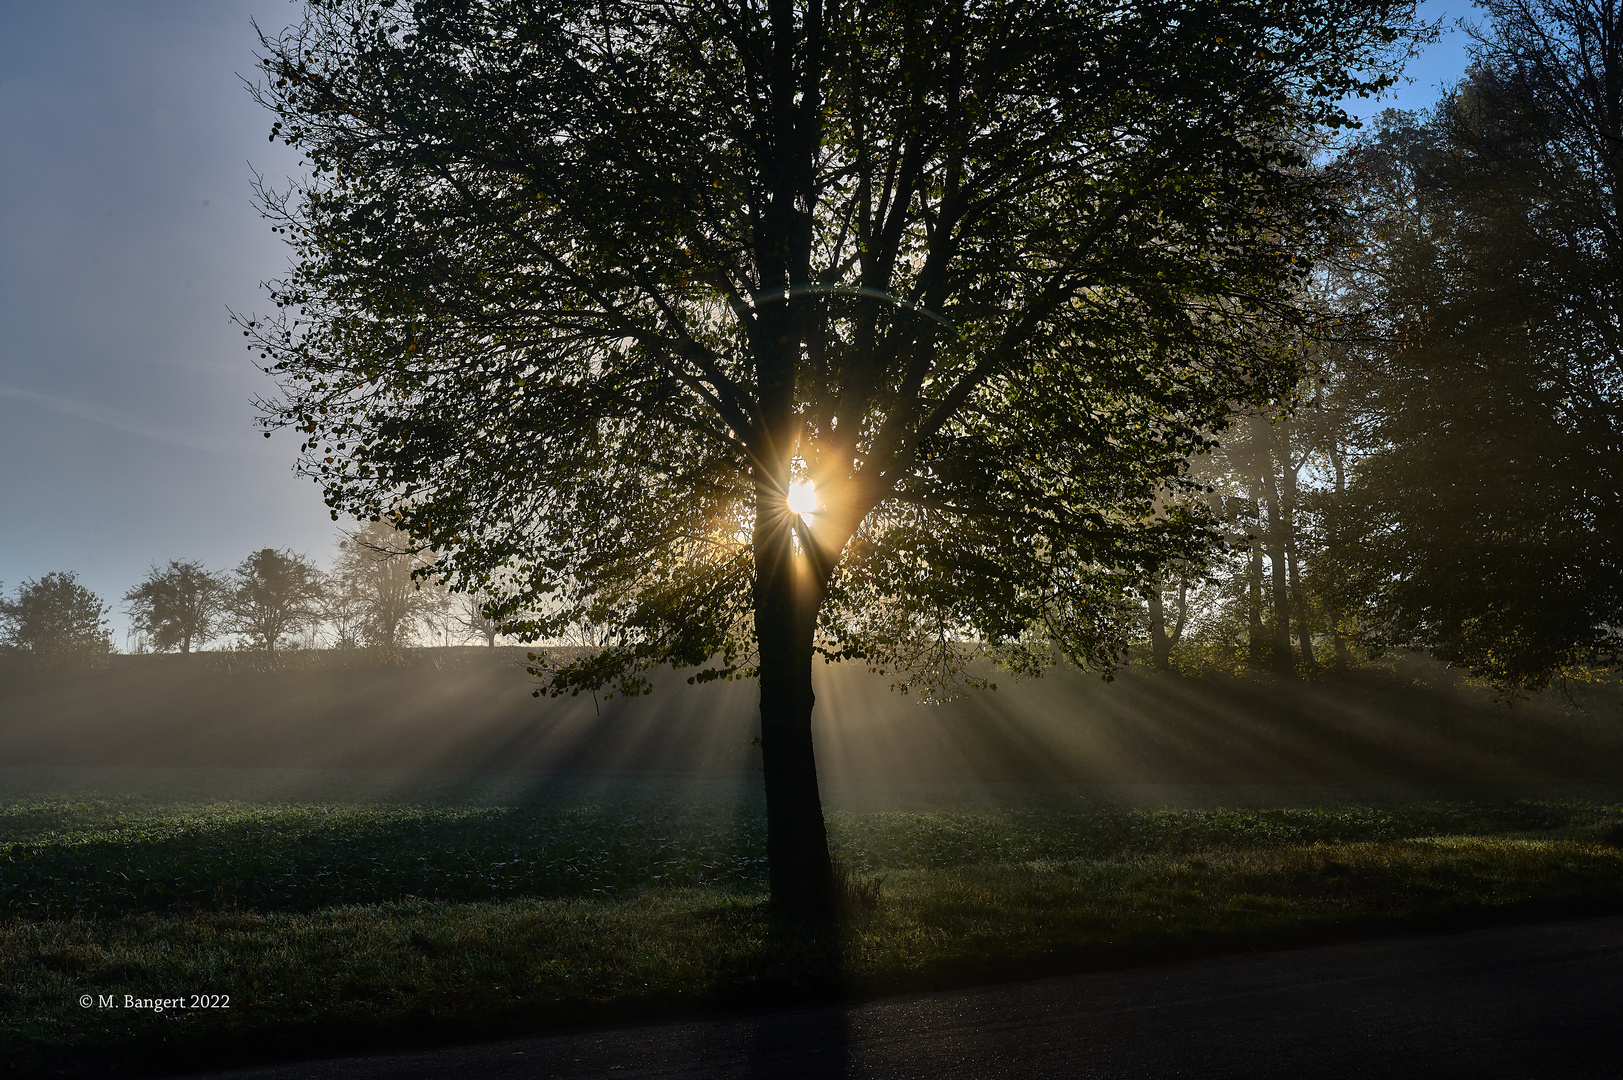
<point>1253,581</point>
<point>1274,538</point>
<point>788,592</point>
<point>1300,605</point>
<point>1160,647</point>
<point>1183,613</point>
<point>1337,463</point>
<point>1298,598</point>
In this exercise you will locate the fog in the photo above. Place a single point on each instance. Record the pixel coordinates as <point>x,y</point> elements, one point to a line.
<point>461,724</point>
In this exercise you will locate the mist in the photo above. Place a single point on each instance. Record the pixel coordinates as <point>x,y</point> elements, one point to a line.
<point>461,723</point>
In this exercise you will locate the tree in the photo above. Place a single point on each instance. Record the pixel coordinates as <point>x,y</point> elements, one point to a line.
<point>344,613</point>
<point>1483,514</point>
<point>1328,428</point>
<point>275,594</point>
<point>1561,61</point>
<point>177,606</point>
<point>1253,476</point>
<point>470,615</point>
<point>56,620</point>
<point>1162,642</point>
<point>869,330</point>
<point>381,571</point>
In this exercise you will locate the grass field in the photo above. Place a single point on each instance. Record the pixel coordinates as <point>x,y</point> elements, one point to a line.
<point>346,925</point>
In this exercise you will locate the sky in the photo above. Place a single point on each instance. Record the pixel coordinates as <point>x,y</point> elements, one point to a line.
<point>127,235</point>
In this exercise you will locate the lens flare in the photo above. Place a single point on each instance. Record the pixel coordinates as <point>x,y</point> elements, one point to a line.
<point>803,497</point>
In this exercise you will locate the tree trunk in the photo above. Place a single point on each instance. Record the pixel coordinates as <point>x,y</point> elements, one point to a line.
<point>1253,580</point>
<point>1274,538</point>
<point>1183,612</point>
<point>787,595</point>
<point>1339,465</point>
<point>1299,604</point>
<point>1298,598</point>
<point>1160,647</point>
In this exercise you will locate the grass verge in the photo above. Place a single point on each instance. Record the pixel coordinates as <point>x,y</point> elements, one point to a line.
<point>958,898</point>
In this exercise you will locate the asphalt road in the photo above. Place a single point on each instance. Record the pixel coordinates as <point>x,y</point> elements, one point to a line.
<point>1523,1001</point>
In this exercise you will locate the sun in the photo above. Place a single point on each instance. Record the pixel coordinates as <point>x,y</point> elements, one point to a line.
<point>803,497</point>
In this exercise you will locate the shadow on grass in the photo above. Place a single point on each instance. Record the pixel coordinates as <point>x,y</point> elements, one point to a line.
<point>294,859</point>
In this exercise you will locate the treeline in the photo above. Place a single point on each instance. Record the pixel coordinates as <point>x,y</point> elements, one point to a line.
<point>378,592</point>
<point>1450,479</point>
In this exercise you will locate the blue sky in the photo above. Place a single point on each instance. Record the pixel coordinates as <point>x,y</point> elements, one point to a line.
<point>126,231</point>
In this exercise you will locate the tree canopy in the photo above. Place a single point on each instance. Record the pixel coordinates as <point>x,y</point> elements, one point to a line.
<point>178,606</point>
<point>56,620</point>
<point>274,594</point>
<point>1486,506</point>
<point>378,572</point>
<point>581,290</point>
<point>1451,481</point>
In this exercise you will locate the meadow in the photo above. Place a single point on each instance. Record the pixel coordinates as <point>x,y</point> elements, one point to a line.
<point>346,924</point>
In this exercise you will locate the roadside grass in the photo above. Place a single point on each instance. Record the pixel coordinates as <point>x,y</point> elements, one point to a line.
<point>344,927</point>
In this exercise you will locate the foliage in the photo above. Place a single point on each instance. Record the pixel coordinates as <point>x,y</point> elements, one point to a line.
<point>56,621</point>
<point>179,606</point>
<point>1483,517</point>
<point>1460,465</point>
<point>590,284</point>
<point>274,595</point>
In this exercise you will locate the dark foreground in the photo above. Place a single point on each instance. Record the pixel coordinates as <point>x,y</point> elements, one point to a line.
<point>1522,1001</point>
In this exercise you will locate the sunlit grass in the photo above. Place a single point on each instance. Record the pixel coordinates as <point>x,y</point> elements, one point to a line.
<point>341,927</point>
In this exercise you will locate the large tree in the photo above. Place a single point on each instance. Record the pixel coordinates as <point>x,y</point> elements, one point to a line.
<point>768,330</point>
<point>1483,517</point>
<point>178,606</point>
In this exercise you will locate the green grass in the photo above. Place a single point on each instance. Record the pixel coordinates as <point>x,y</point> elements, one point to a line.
<point>339,927</point>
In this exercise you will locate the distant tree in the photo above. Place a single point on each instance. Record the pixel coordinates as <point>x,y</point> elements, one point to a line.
<point>274,594</point>
<point>387,578</point>
<point>344,614</point>
<point>868,330</point>
<point>470,614</point>
<point>56,620</point>
<point>1253,474</point>
<point>1164,639</point>
<point>178,606</point>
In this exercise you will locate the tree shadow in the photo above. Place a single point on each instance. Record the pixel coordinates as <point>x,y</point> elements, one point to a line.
<point>809,953</point>
<point>788,999</point>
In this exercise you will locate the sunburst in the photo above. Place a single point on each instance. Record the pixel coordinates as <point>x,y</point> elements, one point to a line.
<point>803,497</point>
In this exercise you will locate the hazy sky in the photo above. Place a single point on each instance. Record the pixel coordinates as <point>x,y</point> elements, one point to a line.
<point>126,231</point>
